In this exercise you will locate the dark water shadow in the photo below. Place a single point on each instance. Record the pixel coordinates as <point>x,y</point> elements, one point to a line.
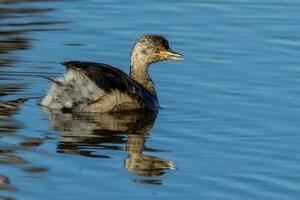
<point>9,152</point>
<point>14,36</point>
<point>95,135</point>
<point>7,110</point>
<point>6,186</point>
<point>16,25</point>
<point>14,30</point>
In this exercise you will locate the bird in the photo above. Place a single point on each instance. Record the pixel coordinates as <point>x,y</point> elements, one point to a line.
<point>97,87</point>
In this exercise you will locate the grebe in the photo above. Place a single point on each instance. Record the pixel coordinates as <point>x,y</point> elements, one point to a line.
<point>98,87</point>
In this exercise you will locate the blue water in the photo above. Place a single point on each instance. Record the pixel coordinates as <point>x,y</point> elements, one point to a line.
<point>229,123</point>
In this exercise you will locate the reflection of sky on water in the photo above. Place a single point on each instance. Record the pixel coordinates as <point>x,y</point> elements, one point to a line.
<point>105,133</point>
<point>15,25</point>
<point>230,109</point>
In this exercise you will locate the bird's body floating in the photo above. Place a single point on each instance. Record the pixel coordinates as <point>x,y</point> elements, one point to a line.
<point>97,87</point>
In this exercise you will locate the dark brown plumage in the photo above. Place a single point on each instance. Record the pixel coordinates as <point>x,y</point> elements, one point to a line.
<point>105,76</point>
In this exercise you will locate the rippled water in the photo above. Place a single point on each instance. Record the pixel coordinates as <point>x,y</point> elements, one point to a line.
<point>229,124</point>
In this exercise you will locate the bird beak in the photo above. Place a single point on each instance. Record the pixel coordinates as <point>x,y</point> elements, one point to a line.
<point>171,55</point>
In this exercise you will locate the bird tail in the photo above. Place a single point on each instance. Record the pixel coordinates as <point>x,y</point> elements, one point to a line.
<point>52,80</point>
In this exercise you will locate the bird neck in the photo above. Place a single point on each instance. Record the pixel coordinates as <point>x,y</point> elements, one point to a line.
<point>139,73</point>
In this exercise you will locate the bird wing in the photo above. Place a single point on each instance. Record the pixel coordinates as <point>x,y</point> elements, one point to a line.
<point>106,77</point>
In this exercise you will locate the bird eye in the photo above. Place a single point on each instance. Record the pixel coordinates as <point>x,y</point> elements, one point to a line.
<point>166,44</point>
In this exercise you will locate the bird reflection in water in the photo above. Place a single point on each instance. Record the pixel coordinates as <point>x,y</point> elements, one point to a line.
<point>87,133</point>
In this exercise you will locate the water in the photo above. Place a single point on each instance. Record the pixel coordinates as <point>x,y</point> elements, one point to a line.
<point>229,123</point>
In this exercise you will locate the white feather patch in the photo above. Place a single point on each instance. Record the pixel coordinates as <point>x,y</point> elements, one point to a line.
<point>75,90</point>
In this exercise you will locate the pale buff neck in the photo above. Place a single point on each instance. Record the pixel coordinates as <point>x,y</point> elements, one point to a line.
<point>139,73</point>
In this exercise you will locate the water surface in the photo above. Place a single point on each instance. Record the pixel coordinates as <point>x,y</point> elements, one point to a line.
<point>229,123</point>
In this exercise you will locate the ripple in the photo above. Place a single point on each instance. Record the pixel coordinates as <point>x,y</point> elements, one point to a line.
<point>229,127</point>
